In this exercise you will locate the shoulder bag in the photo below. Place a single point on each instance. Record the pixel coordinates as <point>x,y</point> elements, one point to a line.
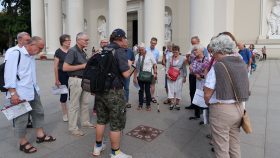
<point>144,76</point>
<point>173,72</point>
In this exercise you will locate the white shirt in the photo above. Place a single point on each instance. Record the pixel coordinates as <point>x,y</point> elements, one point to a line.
<point>210,82</point>
<point>26,70</point>
<point>10,50</point>
<point>148,62</point>
<point>168,55</point>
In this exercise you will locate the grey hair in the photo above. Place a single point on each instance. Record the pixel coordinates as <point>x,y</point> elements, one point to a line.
<point>222,44</point>
<point>80,35</point>
<point>35,40</point>
<point>141,45</point>
<point>21,34</point>
<point>198,47</point>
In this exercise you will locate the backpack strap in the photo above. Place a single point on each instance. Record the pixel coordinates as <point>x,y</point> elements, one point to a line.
<point>114,62</point>
<point>19,56</point>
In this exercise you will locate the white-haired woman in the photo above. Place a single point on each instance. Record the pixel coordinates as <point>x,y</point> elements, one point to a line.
<point>175,85</point>
<point>144,62</point>
<point>226,109</point>
<point>197,68</point>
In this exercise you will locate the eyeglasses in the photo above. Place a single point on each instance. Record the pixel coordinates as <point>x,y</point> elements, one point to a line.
<point>84,39</point>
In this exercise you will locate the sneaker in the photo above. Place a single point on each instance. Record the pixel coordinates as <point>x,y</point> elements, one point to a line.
<point>88,125</point>
<point>65,118</point>
<point>121,155</point>
<point>77,133</point>
<point>98,150</point>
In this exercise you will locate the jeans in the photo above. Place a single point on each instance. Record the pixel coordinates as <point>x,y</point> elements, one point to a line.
<point>144,86</point>
<point>126,89</point>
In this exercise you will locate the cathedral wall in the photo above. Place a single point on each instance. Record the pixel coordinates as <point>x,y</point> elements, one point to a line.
<point>93,9</point>
<point>247,20</point>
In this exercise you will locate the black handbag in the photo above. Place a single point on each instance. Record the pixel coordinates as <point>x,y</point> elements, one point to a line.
<point>144,76</point>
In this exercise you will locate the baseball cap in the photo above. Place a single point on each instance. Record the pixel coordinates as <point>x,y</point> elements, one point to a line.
<point>119,33</point>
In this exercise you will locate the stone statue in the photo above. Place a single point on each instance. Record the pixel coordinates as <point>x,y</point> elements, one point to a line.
<point>167,22</point>
<point>102,30</point>
<point>274,21</point>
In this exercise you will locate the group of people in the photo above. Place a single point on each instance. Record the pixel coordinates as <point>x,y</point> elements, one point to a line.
<point>69,64</point>
<point>217,70</point>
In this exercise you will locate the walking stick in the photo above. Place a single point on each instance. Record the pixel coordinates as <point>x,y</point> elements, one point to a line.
<point>157,95</point>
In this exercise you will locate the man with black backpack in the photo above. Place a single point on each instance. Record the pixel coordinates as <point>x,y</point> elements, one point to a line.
<point>110,104</point>
<point>21,82</point>
<point>22,38</point>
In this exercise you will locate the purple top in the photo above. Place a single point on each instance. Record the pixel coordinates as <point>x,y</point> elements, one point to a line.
<point>199,65</point>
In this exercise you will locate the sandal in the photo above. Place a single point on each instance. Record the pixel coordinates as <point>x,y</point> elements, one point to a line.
<point>154,100</point>
<point>22,147</point>
<point>148,108</point>
<point>45,139</point>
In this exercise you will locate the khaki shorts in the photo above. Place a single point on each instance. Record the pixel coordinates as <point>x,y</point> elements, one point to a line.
<point>111,107</point>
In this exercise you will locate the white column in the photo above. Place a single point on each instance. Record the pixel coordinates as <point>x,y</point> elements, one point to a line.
<point>224,16</point>
<point>117,15</point>
<point>53,25</point>
<point>154,21</point>
<point>37,18</point>
<point>75,18</point>
<point>202,20</point>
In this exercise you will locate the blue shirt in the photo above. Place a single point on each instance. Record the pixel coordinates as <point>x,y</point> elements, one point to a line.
<point>246,55</point>
<point>10,50</point>
<point>26,70</point>
<point>130,54</point>
<point>155,52</point>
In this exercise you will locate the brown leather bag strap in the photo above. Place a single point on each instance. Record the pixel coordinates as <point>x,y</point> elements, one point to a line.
<point>231,82</point>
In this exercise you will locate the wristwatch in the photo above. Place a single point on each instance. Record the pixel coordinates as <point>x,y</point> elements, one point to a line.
<point>13,93</point>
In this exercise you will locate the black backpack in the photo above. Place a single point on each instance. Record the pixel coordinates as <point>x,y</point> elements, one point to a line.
<point>100,71</point>
<point>2,72</point>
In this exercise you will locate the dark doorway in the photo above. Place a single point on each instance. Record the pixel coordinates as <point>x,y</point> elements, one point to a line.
<point>132,28</point>
<point>135,32</point>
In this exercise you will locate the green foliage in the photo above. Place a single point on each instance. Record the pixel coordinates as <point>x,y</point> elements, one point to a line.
<point>14,18</point>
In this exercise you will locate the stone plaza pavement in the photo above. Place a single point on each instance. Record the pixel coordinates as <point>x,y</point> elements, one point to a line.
<point>181,138</point>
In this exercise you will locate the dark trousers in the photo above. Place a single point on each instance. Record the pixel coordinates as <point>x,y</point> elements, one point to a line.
<point>144,86</point>
<point>264,56</point>
<point>63,79</point>
<point>192,86</point>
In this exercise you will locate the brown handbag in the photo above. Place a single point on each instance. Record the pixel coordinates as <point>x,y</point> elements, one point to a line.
<point>245,122</point>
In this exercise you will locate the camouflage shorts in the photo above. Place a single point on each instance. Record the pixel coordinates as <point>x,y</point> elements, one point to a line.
<point>110,107</point>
